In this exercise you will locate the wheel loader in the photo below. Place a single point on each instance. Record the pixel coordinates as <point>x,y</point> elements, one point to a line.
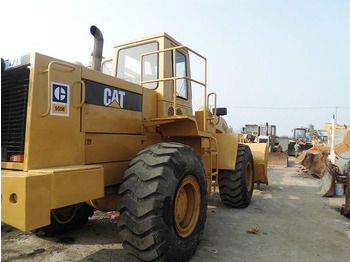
<point>121,135</point>
<point>300,137</point>
<point>266,134</point>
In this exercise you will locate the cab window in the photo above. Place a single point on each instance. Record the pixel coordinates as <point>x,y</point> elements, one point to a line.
<point>129,64</point>
<point>299,133</point>
<point>181,70</point>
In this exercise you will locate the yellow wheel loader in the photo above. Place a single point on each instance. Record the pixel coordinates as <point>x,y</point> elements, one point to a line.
<point>266,134</point>
<point>301,138</point>
<point>120,135</point>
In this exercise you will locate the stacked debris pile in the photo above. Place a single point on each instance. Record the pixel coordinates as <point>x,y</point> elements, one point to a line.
<point>331,171</point>
<point>315,160</point>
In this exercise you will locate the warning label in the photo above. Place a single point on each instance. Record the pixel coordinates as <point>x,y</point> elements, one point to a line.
<point>59,99</point>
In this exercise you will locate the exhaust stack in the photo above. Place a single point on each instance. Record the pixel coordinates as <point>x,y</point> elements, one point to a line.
<point>98,47</point>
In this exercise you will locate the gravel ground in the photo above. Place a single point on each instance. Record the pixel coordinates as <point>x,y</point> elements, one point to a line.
<point>288,221</point>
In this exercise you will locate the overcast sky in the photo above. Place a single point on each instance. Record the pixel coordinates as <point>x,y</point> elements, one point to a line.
<point>282,62</point>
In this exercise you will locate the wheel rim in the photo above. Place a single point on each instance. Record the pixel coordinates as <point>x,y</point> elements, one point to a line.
<point>187,206</point>
<point>248,177</point>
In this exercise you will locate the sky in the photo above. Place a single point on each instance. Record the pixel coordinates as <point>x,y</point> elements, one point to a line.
<point>282,62</point>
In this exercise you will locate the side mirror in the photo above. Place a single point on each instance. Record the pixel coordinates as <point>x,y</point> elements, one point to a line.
<point>221,111</point>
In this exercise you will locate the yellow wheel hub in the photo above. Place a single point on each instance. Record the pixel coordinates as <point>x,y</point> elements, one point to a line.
<point>248,177</point>
<point>187,206</point>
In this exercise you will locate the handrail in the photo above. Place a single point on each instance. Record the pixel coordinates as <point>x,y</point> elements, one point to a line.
<point>49,68</point>
<point>82,93</point>
<point>174,78</point>
<point>215,106</point>
<point>174,48</point>
<point>175,82</point>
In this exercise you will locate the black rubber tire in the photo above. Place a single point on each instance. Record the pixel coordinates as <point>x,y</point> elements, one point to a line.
<point>232,183</point>
<point>146,223</point>
<point>83,212</point>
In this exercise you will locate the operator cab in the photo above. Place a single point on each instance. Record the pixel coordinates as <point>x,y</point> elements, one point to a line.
<point>158,71</point>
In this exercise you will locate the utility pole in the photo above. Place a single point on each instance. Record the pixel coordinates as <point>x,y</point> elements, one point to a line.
<point>336,112</point>
<point>332,156</point>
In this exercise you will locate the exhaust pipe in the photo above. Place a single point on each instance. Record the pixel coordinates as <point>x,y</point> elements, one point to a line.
<point>98,47</point>
<point>267,129</point>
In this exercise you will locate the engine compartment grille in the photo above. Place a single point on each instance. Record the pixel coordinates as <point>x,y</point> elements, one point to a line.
<point>14,98</point>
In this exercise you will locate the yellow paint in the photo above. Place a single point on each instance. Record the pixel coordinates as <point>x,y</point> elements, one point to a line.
<point>260,156</point>
<point>51,140</point>
<point>112,147</point>
<point>28,197</point>
<point>99,119</point>
<point>228,146</point>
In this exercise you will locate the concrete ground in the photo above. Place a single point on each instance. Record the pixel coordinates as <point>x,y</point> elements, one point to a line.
<point>291,220</point>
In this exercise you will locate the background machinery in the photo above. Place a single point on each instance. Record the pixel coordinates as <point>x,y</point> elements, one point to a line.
<point>267,134</point>
<point>301,136</point>
<point>306,138</point>
<point>76,139</point>
<point>331,163</point>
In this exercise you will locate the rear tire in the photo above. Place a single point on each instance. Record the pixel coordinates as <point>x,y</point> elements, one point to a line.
<point>163,205</point>
<point>236,186</point>
<point>66,218</point>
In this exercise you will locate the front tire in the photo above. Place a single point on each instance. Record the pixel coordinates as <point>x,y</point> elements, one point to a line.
<point>163,204</point>
<point>236,186</point>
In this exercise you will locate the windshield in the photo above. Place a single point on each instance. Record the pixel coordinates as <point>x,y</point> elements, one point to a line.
<point>129,64</point>
<point>299,133</point>
<point>251,129</point>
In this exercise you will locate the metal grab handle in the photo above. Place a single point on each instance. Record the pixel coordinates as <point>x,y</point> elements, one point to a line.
<point>49,68</point>
<point>82,93</point>
<point>215,98</point>
<point>215,108</point>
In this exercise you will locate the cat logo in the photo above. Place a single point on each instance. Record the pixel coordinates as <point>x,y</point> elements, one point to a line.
<point>59,99</point>
<point>60,94</point>
<point>110,96</point>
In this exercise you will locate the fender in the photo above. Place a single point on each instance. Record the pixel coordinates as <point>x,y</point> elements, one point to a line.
<point>227,148</point>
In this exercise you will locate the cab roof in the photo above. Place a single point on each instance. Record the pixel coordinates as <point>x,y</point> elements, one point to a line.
<point>152,37</point>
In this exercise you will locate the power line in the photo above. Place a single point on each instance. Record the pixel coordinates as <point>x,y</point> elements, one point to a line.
<point>285,107</point>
